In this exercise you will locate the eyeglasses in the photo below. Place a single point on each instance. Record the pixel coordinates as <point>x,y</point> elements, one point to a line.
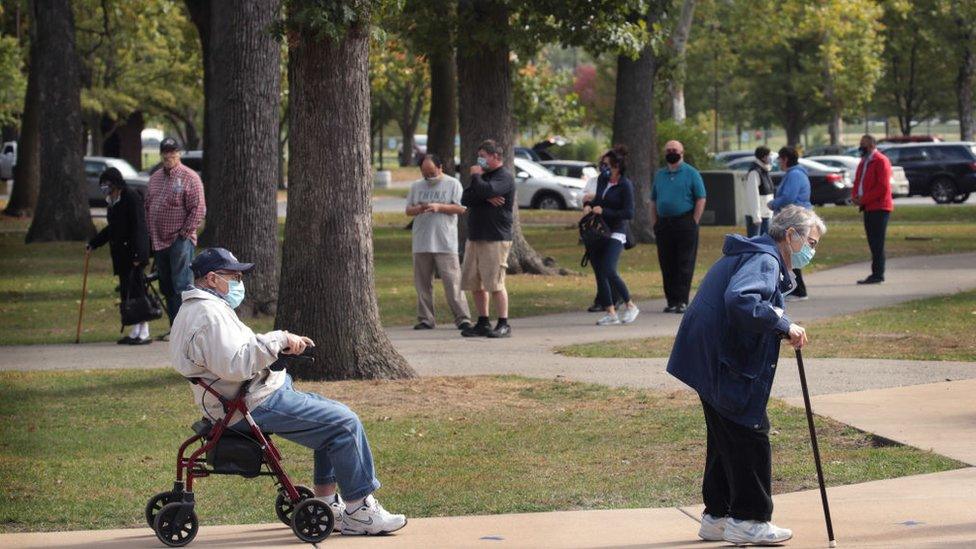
<point>232,275</point>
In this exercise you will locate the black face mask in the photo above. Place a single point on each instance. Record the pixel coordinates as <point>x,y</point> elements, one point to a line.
<point>672,157</point>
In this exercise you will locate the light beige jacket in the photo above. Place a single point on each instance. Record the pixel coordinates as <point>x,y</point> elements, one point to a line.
<point>209,342</point>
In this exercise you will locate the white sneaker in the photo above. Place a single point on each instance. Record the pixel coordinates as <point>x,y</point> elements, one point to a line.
<point>608,320</point>
<point>629,314</point>
<point>371,519</point>
<point>712,528</point>
<point>743,532</point>
<point>338,510</point>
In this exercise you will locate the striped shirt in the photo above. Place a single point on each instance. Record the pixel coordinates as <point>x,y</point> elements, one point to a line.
<point>175,206</point>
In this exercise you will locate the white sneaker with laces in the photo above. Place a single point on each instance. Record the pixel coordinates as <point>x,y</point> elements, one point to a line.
<point>608,320</point>
<point>744,532</point>
<point>629,314</point>
<point>712,528</point>
<point>338,510</point>
<point>371,519</point>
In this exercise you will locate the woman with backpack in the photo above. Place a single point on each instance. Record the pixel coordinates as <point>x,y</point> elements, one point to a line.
<point>614,203</point>
<point>128,240</point>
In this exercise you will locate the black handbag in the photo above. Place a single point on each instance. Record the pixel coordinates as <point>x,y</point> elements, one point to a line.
<point>594,233</point>
<point>141,303</point>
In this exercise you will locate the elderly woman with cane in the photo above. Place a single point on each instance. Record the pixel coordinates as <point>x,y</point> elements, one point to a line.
<point>726,350</point>
<point>128,240</point>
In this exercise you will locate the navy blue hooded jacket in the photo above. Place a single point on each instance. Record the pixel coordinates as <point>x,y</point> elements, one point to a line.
<point>728,343</point>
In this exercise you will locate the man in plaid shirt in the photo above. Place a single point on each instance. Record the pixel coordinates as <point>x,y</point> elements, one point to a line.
<point>174,209</point>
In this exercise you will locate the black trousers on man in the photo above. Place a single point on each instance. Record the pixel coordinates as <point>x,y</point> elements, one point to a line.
<point>875,226</point>
<point>738,469</point>
<point>677,250</point>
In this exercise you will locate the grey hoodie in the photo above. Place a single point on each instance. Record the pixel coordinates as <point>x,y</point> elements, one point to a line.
<point>209,342</point>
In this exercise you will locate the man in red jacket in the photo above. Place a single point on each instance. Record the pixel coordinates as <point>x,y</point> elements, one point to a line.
<point>872,193</point>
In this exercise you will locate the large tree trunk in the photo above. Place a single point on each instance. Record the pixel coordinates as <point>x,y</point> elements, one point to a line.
<point>62,206</point>
<point>23,197</point>
<point>836,128</point>
<point>411,109</point>
<point>201,13</point>
<point>125,141</point>
<point>679,39</point>
<point>634,126</point>
<point>244,94</point>
<point>327,278</point>
<point>485,103</point>
<point>442,122</point>
<point>965,80</point>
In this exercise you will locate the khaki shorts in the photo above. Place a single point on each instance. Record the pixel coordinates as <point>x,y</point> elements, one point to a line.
<point>484,265</point>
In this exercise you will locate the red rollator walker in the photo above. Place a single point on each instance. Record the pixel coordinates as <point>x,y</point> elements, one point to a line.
<point>225,451</point>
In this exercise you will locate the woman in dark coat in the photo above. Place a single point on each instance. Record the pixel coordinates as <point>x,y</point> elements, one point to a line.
<point>726,350</point>
<point>614,201</point>
<point>128,240</point>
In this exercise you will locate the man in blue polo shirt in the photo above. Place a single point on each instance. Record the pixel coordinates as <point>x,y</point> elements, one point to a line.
<point>677,203</point>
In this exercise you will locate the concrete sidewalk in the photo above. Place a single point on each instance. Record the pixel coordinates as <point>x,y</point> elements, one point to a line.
<point>923,511</point>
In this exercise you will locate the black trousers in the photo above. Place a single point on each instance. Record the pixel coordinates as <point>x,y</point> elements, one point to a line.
<point>738,469</point>
<point>677,250</point>
<point>801,287</point>
<point>875,226</point>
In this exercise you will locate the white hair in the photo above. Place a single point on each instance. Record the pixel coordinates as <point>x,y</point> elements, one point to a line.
<point>799,219</point>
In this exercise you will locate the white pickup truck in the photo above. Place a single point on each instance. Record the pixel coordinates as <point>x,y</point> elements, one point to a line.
<point>8,159</point>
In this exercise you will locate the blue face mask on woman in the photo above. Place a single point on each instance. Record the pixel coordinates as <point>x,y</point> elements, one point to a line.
<point>803,257</point>
<point>483,162</point>
<point>235,293</point>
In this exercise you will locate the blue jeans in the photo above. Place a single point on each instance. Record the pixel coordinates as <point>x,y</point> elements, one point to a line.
<point>608,281</point>
<point>329,428</point>
<point>173,266</point>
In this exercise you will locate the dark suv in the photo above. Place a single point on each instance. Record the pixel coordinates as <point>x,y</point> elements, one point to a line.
<point>944,171</point>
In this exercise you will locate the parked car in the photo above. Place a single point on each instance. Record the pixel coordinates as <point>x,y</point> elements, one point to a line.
<point>538,188</point>
<point>8,159</point>
<point>911,139</point>
<point>899,181</point>
<point>944,171</point>
<point>419,148</point>
<point>527,153</point>
<point>731,156</point>
<point>828,185</point>
<point>825,150</point>
<point>191,159</point>
<point>579,169</point>
<point>95,165</point>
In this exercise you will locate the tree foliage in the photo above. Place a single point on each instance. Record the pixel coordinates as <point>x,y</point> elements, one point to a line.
<point>14,80</point>
<point>545,100</point>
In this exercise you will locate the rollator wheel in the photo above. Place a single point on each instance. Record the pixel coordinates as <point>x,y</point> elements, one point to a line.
<point>284,506</point>
<point>157,502</point>
<point>172,533</point>
<point>312,520</point>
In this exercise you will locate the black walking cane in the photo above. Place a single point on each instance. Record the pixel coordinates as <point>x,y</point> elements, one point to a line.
<point>816,449</point>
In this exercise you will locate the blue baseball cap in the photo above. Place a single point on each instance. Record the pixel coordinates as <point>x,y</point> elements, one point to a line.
<point>217,259</point>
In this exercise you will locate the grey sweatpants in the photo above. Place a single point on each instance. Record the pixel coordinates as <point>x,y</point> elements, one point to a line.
<point>424,265</point>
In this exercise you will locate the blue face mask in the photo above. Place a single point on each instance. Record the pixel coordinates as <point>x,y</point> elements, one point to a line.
<point>235,293</point>
<point>483,162</point>
<point>803,257</point>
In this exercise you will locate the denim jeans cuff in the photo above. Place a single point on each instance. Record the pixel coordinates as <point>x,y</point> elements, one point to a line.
<point>361,492</point>
<point>325,480</point>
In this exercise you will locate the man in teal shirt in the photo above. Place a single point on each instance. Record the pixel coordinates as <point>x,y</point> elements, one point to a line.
<point>677,203</point>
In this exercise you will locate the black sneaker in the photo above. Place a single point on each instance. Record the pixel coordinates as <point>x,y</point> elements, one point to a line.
<point>142,341</point>
<point>501,331</point>
<point>464,326</point>
<point>125,341</point>
<point>680,308</point>
<point>478,330</point>
<point>670,309</point>
<point>871,280</point>
<point>422,326</point>
<point>595,308</point>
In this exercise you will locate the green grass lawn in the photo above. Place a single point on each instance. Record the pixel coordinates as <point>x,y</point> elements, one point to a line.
<point>86,449</point>
<point>40,284</point>
<point>926,329</point>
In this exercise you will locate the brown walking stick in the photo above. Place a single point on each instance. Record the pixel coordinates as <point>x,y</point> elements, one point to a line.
<point>84,292</point>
